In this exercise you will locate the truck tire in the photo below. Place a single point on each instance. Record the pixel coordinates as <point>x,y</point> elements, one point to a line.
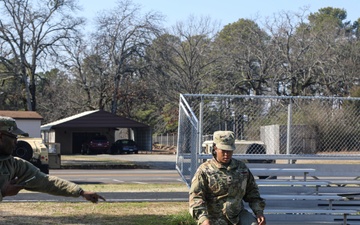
<point>23,150</point>
<point>43,168</point>
<point>259,149</point>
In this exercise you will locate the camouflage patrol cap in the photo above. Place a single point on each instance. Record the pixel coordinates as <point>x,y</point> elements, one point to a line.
<point>8,124</point>
<point>224,140</point>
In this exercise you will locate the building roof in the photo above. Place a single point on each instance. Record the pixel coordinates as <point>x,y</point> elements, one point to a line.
<point>94,119</point>
<point>29,115</point>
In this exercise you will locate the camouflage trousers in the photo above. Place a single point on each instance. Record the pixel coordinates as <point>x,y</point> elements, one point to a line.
<point>245,218</point>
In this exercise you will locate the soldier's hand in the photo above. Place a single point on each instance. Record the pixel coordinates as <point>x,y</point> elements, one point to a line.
<point>261,219</point>
<point>92,196</point>
<point>206,222</point>
<point>10,188</point>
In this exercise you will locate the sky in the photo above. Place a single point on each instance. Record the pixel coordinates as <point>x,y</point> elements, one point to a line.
<point>223,11</point>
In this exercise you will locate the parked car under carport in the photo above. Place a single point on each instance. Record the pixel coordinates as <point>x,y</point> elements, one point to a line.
<point>96,145</point>
<point>122,146</point>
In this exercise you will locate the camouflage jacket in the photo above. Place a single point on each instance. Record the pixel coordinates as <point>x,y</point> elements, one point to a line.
<point>12,167</point>
<point>218,190</point>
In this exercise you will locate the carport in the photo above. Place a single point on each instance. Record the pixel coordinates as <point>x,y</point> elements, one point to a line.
<point>72,131</point>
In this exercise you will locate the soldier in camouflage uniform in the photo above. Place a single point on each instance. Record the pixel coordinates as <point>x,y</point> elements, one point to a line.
<point>220,187</point>
<point>17,174</point>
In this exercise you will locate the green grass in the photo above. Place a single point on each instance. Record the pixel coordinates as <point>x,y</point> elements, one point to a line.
<point>104,213</point>
<point>164,187</point>
<point>71,213</point>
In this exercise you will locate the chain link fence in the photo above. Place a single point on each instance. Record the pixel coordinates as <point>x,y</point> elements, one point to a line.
<point>268,127</point>
<point>168,139</point>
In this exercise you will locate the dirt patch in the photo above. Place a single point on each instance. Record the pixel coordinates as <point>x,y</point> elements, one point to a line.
<point>161,149</point>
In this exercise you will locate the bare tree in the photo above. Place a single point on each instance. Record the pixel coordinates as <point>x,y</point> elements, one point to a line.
<point>340,47</point>
<point>312,55</point>
<point>181,62</point>
<point>30,32</point>
<point>290,48</point>
<point>55,95</point>
<point>247,58</point>
<point>121,37</point>
<point>182,59</point>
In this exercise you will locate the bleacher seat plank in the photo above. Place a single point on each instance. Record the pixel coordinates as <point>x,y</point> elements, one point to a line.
<point>344,212</point>
<point>273,171</point>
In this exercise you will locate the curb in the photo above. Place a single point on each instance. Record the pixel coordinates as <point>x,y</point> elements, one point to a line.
<point>77,165</point>
<point>108,166</point>
<point>104,167</point>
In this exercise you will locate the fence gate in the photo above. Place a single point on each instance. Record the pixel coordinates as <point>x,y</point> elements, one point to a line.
<point>287,128</point>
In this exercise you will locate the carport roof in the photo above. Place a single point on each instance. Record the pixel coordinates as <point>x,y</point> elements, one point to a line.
<point>94,119</point>
<point>28,115</point>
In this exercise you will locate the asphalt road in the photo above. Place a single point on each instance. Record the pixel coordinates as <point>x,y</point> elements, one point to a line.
<point>117,176</point>
<point>162,170</point>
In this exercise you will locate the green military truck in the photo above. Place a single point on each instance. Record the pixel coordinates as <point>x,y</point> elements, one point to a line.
<point>242,147</point>
<point>33,150</point>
